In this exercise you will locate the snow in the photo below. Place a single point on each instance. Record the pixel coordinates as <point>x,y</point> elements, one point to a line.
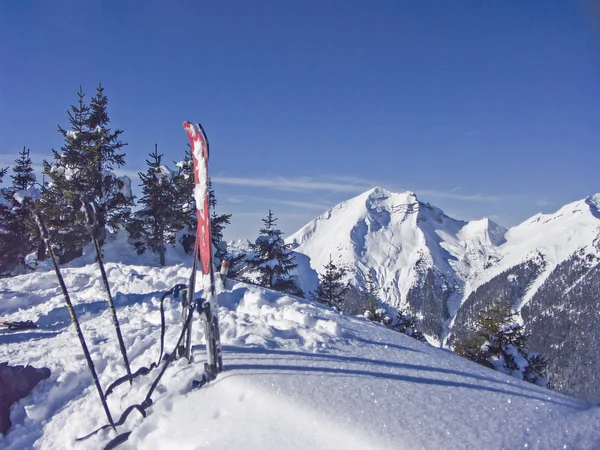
<point>125,189</point>
<point>297,375</point>
<point>23,194</point>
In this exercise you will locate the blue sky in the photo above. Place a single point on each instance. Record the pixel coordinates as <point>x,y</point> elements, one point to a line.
<point>481,108</point>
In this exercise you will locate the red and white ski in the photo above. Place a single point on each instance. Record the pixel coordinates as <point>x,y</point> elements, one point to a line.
<point>203,251</point>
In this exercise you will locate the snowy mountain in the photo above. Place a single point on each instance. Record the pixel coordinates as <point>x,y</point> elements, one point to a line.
<point>549,271</point>
<point>421,258</point>
<point>297,375</point>
<point>445,270</point>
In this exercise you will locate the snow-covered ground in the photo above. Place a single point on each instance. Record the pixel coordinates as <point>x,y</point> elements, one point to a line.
<point>296,376</point>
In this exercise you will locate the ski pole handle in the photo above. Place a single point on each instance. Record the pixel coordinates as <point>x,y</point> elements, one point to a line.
<point>224,269</point>
<point>91,223</point>
<point>41,225</point>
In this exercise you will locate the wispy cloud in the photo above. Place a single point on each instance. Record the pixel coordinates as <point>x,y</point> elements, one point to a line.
<point>452,195</point>
<point>314,205</point>
<point>345,184</point>
<point>471,133</point>
<point>295,184</point>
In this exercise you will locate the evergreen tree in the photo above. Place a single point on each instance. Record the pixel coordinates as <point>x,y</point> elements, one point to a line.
<point>499,342</point>
<point>153,227</point>
<point>272,260</point>
<point>111,194</point>
<point>184,186</point>
<point>407,324</point>
<point>23,178</point>
<point>4,221</point>
<point>332,289</point>
<point>83,169</point>
<point>21,236</point>
<point>218,222</point>
<point>370,292</point>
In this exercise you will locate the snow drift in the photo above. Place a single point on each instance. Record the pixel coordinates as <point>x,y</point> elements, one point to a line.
<point>297,375</point>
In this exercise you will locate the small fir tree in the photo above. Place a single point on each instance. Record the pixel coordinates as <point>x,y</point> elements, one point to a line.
<point>184,186</point>
<point>218,222</point>
<point>83,169</point>
<point>153,227</point>
<point>407,324</point>
<point>499,342</point>
<point>272,260</point>
<point>21,236</point>
<point>370,292</point>
<point>332,288</point>
<point>4,221</point>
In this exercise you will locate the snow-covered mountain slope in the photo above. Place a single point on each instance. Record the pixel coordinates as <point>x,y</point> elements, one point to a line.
<point>548,238</point>
<point>549,271</point>
<point>296,376</point>
<point>420,257</point>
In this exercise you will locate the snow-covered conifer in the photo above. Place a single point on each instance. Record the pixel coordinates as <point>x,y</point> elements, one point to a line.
<point>332,287</point>
<point>153,226</point>
<point>184,186</point>
<point>83,169</point>
<point>218,222</point>
<point>271,259</point>
<point>407,324</point>
<point>499,342</point>
<point>20,236</point>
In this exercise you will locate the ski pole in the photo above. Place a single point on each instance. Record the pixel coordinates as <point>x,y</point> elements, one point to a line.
<point>46,238</point>
<point>92,228</point>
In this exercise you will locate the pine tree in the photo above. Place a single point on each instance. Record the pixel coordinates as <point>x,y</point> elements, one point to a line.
<point>184,186</point>
<point>152,227</point>
<point>111,194</point>
<point>499,342</point>
<point>407,324</point>
<point>332,289</point>
<point>370,292</point>
<point>218,222</point>
<point>272,260</point>
<point>23,178</point>
<point>4,221</point>
<point>21,236</point>
<point>83,170</point>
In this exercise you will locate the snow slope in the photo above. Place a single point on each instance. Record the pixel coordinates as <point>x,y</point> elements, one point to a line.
<point>297,376</point>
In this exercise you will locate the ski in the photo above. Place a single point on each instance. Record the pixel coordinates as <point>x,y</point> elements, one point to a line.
<point>208,306</point>
<point>91,224</point>
<point>16,326</point>
<point>46,238</point>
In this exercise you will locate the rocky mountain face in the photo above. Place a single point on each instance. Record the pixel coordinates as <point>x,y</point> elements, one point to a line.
<point>445,271</point>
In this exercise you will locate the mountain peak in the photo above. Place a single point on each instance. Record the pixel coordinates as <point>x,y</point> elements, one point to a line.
<point>378,191</point>
<point>593,201</point>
